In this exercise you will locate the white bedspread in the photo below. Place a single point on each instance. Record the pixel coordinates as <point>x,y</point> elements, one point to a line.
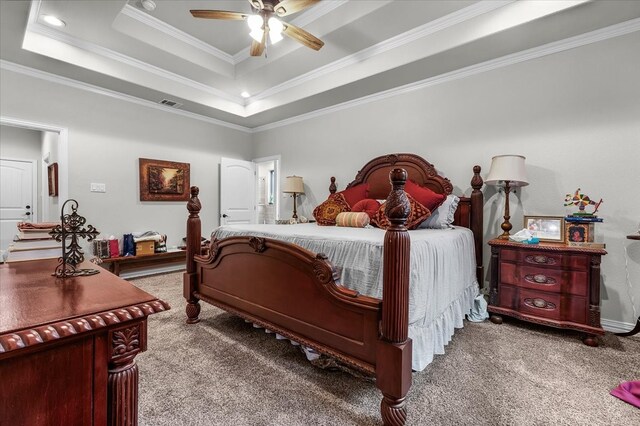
<point>442,285</point>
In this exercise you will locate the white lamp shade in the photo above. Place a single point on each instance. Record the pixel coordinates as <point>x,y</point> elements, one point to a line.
<point>507,167</point>
<point>293,184</point>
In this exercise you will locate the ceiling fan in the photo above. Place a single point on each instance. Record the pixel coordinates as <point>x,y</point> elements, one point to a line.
<point>264,22</point>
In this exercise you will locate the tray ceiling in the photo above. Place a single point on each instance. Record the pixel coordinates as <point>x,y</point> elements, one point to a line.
<point>371,47</point>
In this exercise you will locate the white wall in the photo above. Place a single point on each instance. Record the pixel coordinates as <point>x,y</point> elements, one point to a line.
<point>24,144</point>
<point>106,136</point>
<point>50,208</point>
<point>575,116</point>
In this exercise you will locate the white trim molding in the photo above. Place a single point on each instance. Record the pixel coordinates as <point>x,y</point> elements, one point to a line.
<point>616,326</point>
<point>54,78</point>
<point>515,58</point>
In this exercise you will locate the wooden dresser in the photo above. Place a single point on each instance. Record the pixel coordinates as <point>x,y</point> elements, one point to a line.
<point>547,283</point>
<point>67,347</point>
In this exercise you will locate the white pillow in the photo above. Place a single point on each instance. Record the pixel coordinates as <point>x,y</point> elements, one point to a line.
<point>443,217</point>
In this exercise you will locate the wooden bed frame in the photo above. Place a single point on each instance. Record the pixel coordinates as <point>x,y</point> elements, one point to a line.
<point>296,293</point>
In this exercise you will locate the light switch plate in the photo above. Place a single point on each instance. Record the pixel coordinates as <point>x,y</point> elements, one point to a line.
<point>98,187</point>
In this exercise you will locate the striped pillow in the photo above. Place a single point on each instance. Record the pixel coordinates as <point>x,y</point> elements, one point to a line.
<point>352,219</point>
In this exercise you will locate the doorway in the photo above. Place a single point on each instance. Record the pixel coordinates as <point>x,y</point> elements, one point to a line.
<point>53,147</point>
<point>267,173</point>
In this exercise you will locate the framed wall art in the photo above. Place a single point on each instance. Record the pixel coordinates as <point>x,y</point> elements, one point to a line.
<point>163,180</point>
<point>546,228</point>
<point>52,179</point>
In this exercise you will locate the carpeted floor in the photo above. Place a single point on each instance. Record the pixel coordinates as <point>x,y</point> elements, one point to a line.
<point>223,371</point>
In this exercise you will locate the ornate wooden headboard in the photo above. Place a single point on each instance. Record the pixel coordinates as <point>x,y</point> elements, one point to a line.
<point>469,212</point>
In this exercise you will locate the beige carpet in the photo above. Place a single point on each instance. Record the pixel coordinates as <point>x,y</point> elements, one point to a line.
<point>223,371</point>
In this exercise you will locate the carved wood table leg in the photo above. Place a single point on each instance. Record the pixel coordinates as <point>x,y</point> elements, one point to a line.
<point>122,384</point>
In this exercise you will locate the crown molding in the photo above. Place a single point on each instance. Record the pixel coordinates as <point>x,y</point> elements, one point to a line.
<point>171,31</point>
<point>514,58</point>
<point>129,61</point>
<point>412,35</point>
<point>54,78</point>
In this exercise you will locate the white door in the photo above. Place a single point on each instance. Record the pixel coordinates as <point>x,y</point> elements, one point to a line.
<point>237,191</point>
<point>16,197</point>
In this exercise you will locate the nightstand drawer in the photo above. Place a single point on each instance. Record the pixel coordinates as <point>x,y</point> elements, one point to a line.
<point>545,279</point>
<point>542,258</point>
<point>551,306</point>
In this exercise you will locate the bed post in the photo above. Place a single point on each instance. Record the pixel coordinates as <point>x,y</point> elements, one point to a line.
<point>393,353</point>
<point>477,207</point>
<point>193,248</point>
<point>332,187</point>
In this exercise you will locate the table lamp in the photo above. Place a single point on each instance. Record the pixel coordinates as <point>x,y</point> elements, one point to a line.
<point>507,171</point>
<point>293,185</point>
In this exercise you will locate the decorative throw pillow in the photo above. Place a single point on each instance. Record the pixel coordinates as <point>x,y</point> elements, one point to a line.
<point>424,196</point>
<point>352,219</point>
<point>417,214</point>
<point>325,214</point>
<point>443,216</point>
<point>355,193</point>
<point>368,205</point>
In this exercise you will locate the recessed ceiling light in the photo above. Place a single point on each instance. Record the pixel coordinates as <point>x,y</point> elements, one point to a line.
<point>53,20</point>
<point>245,94</point>
<point>149,5</point>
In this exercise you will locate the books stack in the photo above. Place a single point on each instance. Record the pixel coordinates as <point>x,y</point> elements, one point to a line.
<point>580,231</point>
<point>34,242</point>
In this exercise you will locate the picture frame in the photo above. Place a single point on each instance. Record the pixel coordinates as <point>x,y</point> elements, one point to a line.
<point>546,228</point>
<point>579,232</point>
<point>162,180</point>
<point>52,179</point>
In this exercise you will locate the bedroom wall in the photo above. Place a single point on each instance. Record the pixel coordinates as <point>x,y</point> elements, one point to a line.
<point>50,205</point>
<point>106,136</point>
<point>23,144</point>
<point>575,115</point>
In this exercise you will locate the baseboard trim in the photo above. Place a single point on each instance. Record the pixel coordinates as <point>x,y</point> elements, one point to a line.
<point>151,271</point>
<point>616,326</point>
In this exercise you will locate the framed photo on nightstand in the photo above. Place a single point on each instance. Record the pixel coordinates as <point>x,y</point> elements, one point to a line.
<point>546,228</point>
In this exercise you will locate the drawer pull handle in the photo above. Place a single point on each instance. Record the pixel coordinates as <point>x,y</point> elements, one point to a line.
<point>539,303</point>
<point>539,279</point>
<point>540,259</point>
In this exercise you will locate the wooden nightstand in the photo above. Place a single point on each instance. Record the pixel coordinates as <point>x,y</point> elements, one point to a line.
<point>547,283</point>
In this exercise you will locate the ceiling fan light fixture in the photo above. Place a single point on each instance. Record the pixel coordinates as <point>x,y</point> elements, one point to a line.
<point>255,22</point>
<point>275,25</point>
<point>275,37</point>
<point>257,34</point>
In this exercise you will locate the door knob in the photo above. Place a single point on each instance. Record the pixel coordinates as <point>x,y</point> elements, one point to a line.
<point>28,213</point>
<point>224,215</point>
<point>27,207</point>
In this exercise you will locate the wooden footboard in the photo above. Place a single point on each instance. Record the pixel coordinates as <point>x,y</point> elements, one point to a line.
<point>294,292</point>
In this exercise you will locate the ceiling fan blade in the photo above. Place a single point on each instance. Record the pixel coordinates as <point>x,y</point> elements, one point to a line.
<point>287,7</point>
<point>257,49</point>
<point>257,4</point>
<point>219,14</point>
<point>302,36</point>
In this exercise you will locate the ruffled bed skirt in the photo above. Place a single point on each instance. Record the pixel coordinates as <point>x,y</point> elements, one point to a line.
<point>430,339</point>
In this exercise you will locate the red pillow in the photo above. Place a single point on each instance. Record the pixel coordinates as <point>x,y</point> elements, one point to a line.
<point>417,214</point>
<point>355,193</point>
<point>425,196</point>
<point>368,205</point>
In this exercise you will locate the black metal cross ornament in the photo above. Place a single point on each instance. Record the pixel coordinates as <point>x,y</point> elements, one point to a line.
<point>72,226</point>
